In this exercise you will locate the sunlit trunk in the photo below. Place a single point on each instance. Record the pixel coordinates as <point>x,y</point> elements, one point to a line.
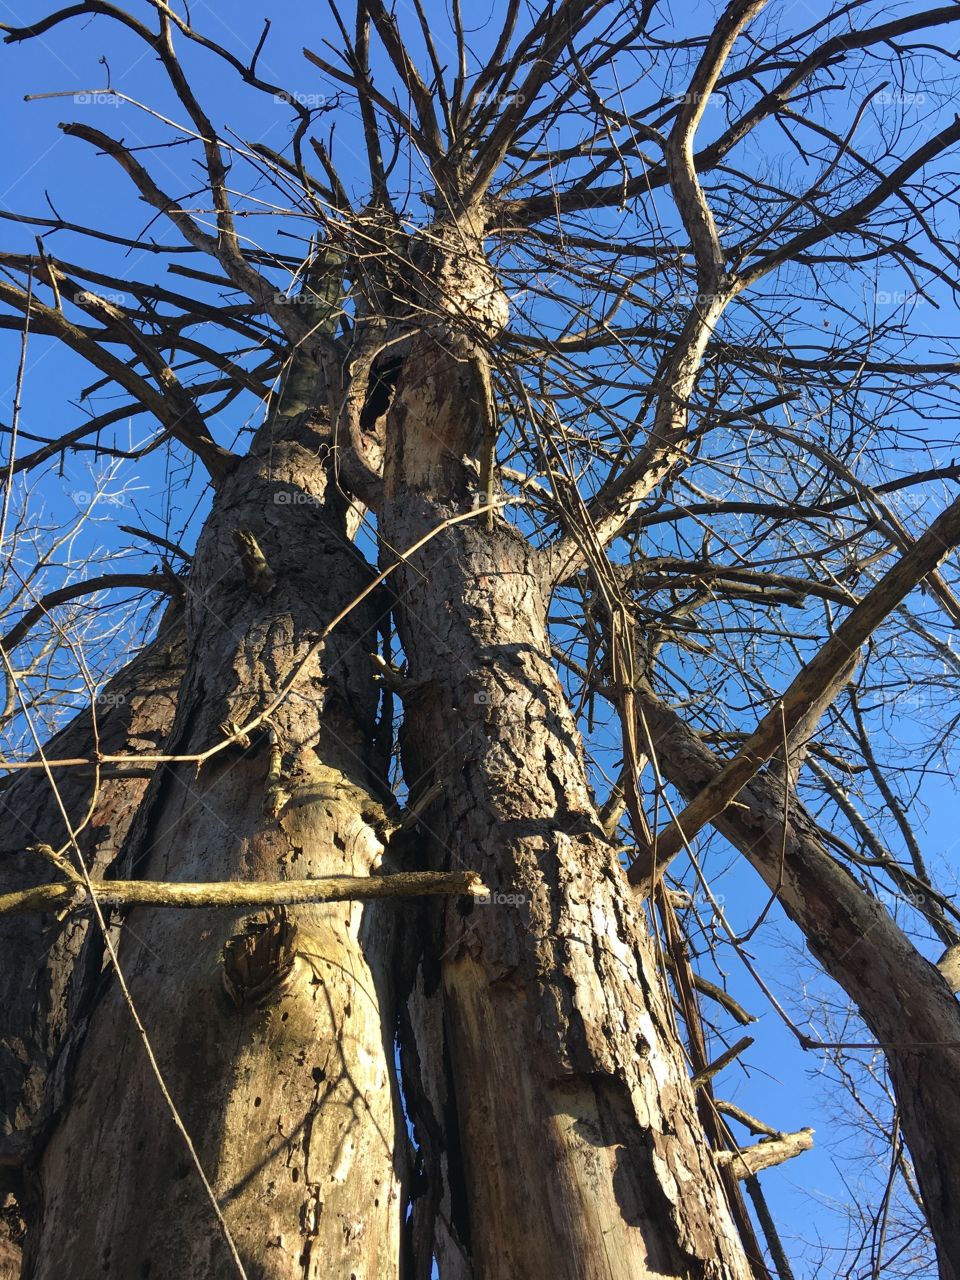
<point>562,1120</point>
<point>41,988</point>
<point>273,1035</point>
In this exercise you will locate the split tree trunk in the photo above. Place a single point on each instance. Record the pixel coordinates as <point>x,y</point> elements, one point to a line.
<point>288,1095</point>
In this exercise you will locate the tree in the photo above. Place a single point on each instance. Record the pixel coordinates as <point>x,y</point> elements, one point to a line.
<point>547,355</point>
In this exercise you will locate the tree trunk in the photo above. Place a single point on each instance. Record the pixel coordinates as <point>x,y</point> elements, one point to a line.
<point>134,714</point>
<point>39,988</point>
<point>901,997</point>
<point>571,1140</point>
<point>286,1085</point>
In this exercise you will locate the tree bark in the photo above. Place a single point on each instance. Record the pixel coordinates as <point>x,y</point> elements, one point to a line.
<point>286,1084</point>
<point>134,713</point>
<point>40,987</point>
<point>565,1120</point>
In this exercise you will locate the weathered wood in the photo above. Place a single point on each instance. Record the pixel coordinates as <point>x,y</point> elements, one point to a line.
<point>170,893</point>
<point>563,1103</point>
<point>768,1153</point>
<point>291,1104</point>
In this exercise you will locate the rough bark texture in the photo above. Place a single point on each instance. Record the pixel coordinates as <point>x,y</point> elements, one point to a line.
<point>575,1120</point>
<point>904,1000</point>
<point>287,1088</point>
<point>9,1260</point>
<point>39,987</point>
<point>134,714</point>
<point>566,1124</point>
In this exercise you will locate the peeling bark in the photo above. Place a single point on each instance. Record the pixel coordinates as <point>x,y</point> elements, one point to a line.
<point>565,1107</point>
<point>576,1121</point>
<point>288,1095</point>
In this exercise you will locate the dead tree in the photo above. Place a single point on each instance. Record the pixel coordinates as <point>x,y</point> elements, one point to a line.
<point>548,436</point>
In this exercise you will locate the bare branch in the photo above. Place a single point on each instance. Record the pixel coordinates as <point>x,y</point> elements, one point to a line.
<point>147,893</point>
<point>819,679</point>
<point>768,1153</point>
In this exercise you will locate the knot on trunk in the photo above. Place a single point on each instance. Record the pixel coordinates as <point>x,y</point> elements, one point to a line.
<point>260,577</point>
<point>258,963</point>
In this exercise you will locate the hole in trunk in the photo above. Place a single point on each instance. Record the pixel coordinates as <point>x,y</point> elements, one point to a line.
<point>380,389</point>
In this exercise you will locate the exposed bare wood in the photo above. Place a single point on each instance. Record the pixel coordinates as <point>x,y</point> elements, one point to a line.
<point>768,1153</point>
